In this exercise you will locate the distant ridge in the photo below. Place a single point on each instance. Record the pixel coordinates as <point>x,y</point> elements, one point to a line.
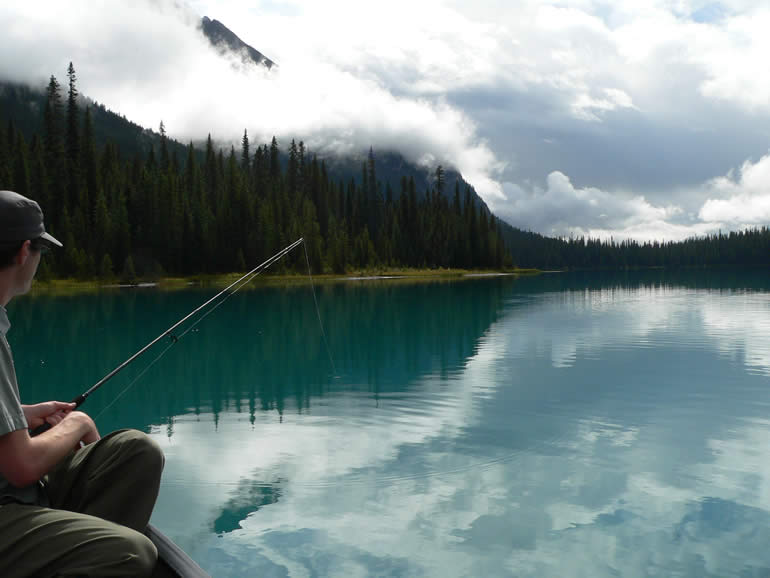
<point>225,39</point>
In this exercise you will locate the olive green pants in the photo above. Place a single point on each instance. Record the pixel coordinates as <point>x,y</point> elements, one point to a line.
<point>101,499</point>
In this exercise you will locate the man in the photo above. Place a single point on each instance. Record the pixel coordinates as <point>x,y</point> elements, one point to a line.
<point>71,503</point>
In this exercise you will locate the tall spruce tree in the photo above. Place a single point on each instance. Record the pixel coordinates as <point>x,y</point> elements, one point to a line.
<point>245,153</point>
<point>53,140</point>
<point>165,161</point>
<point>74,192</point>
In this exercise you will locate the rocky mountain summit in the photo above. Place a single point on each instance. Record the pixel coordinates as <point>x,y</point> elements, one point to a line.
<point>225,40</point>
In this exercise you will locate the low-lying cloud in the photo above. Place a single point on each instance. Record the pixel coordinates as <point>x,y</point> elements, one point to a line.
<point>149,61</point>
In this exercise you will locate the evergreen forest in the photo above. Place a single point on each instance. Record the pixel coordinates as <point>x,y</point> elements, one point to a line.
<point>167,209</point>
<point>747,247</point>
<point>215,210</point>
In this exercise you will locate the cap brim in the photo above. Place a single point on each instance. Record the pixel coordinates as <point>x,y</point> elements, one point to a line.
<point>51,239</point>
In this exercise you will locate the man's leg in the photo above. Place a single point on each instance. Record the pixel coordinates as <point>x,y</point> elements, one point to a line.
<point>42,542</point>
<point>116,478</point>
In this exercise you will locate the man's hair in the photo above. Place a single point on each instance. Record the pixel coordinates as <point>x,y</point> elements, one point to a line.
<point>8,252</point>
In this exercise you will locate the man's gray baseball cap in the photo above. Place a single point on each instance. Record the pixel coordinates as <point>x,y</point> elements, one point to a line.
<point>21,219</point>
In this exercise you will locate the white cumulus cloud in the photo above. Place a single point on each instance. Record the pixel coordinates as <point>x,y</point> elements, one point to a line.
<point>742,198</point>
<point>562,209</point>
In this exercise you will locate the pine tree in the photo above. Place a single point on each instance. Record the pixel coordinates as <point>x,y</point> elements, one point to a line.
<point>39,175</point>
<point>106,268</point>
<point>54,152</point>
<point>440,180</point>
<point>102,234</point>
<point>165,162</point>
<point>88,161</point>
<point>371,174</point>
<point>245,153</point>
<point>302,176</point>
<point>73,142</point>
<point>312,233</point>
<point>292,171</point>
<point>21,176</point>
<point>275,167</point>
<point>129,272</point>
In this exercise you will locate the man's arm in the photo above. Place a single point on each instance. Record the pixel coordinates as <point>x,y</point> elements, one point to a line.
<point>24,459</point>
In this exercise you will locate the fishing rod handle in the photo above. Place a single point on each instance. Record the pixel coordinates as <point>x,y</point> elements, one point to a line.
<point>46,426</point>
<point>40,429</point>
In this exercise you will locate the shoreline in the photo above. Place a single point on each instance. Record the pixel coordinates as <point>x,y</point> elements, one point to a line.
<point>74,286</point>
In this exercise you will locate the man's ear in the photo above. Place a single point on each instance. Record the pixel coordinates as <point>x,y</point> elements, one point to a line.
<point>23,253</point>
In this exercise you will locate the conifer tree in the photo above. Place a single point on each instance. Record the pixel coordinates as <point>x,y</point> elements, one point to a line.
<point>275,167</point>
<point>292,171</point>
<point>106,268</point>
<point>371,174</point>
<point>301,170</point>
<point>39,177</point>
<point>88,160</point>
<point>245,153</point>
<point>73,141</point>
<point>165,162</point>
<point>54,152</point>
<point>440,180</point>
<point>102,234</point>
<point>21,175</point>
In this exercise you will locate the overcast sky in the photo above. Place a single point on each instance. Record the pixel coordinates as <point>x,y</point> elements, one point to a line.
<point>630,118</point>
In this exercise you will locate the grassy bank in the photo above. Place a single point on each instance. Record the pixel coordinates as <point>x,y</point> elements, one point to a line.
<point>72,286</point>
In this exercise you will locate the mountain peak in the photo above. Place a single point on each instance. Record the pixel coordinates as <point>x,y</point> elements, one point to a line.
<point>225,40</point>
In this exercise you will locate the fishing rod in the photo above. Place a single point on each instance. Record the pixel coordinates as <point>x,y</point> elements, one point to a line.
<point>79,400</point>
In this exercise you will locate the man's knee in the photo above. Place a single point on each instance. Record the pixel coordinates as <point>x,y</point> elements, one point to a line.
<point>110,550</point>
<point>144,447</point>
<point>144,554</point>
<point>127,553</point>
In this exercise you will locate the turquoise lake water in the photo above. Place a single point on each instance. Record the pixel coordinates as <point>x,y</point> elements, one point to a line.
<point>564,425</point>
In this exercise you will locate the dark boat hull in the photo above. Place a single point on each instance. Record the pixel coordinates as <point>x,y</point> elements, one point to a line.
<point>172,560</point>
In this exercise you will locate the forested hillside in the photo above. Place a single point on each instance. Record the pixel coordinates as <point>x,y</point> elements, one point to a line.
<point>129,202</point>
<point>184,211</point>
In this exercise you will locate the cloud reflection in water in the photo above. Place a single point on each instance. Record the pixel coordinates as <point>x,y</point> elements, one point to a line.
<point>591,430</point>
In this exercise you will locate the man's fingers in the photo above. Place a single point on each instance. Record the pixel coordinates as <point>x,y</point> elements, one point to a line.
<point>60,407</point>
<point>56,417</point>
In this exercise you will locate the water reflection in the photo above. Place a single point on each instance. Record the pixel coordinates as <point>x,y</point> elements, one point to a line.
<point>562,425</point>
<point>249,497</point>
<point>259,352</point>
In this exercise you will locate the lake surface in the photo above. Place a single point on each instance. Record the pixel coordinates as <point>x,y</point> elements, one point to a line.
<point>564,425</point>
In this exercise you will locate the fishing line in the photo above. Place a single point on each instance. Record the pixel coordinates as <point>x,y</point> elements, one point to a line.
<point>318,312</point>
<point>243,281</point>
<point>174,339</point>
<point>137,378</point>
<point>79,400</point>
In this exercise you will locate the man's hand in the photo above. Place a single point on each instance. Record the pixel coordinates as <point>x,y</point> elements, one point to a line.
<point>88,425</point>
<point>51,412</point>
<point>25,459</point>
